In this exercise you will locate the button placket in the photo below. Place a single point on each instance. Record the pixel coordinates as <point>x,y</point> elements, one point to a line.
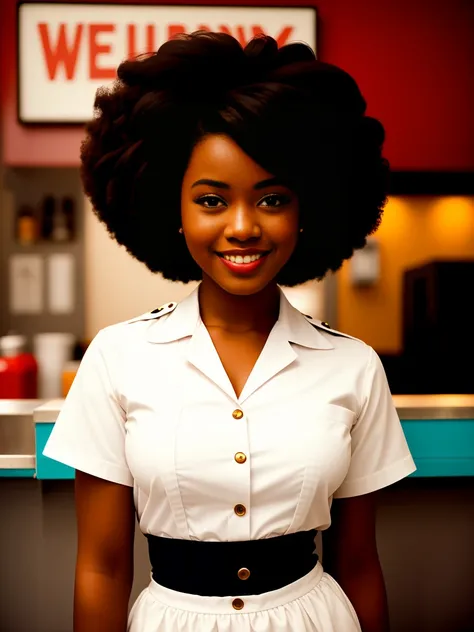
<point>239,522</point>
<point>242,528</point>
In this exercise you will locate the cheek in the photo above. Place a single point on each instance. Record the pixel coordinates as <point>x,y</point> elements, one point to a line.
<point>200,231</point>
<point>285,233</point>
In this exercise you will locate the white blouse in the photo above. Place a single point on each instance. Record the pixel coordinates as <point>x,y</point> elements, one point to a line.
<point>152,407</point>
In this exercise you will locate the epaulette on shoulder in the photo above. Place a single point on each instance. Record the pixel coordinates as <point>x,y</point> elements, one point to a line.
<point>167,308</point>
<point>324,326</point>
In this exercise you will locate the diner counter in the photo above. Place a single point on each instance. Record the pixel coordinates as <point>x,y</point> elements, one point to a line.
<point>434,406</point>
<point>439,430</point>
<point>408,407</point>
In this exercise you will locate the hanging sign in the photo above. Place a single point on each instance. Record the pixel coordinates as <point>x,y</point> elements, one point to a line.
<point>67,51</point>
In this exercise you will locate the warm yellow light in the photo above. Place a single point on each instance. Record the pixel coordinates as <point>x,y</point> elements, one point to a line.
<point>415,230</point>
<point>395,219</point>
<point>453,218</point>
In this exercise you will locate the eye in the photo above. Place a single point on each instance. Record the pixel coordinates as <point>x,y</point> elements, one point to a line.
<point>274,200</point>
<point>210,201</point>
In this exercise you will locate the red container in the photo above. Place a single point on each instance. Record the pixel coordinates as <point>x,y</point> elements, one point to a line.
<point>18,370</point>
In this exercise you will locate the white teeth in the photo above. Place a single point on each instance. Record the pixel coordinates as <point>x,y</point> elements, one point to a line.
<point>240,259</point>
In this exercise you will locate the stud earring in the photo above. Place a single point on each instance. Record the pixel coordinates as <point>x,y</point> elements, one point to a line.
<point>301,230</point>
<point>180,231</point>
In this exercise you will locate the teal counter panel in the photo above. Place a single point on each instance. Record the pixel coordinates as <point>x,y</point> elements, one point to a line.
<point>46,468</point>
<point>441,447</point>
<point>17,473</point>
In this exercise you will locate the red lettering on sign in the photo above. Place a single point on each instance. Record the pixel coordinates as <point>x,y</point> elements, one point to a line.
<point>96,49</point>
<point>61,53</point>
<point>61,49</point>
<point>175,29</point>
<point>284,36</point>
<point>132,40</point>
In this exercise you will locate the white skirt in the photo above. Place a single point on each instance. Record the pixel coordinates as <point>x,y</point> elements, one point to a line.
<point>313,603</point>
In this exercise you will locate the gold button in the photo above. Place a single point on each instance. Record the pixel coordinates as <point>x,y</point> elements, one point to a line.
<point>240,510</point>
<point>240,457</point>
<point>237,604</point>
<point>243,573</point>
<point>237,414</point>
<point>325,324</point>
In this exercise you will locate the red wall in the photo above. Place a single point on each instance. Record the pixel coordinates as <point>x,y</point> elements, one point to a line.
<point>411,58</point>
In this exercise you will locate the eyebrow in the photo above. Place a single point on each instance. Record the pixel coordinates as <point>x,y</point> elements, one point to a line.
<point>270,182</point>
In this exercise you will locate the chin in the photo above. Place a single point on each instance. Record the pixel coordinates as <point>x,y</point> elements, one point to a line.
<point>243,287</point>
<point>240,285</point>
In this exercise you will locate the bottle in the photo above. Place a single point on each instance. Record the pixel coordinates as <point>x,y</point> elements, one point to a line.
<point>47,213</point>
<point>52,351</point>
<point>27,226</point>
<point>18,369</point>
<point>69,373</point>
<point>69,212</point>
<point>62,220</point>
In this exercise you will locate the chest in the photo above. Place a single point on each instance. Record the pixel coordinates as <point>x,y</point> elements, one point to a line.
<point>283,458</point>
<point>182,437</point>
<point>238,355</point>
<point>300,415</point>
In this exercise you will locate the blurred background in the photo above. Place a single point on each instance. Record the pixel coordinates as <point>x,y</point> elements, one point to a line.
<point>408,293</point>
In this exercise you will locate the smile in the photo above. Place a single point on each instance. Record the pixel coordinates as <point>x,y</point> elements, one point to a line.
<point>243,264</point>
<point>240,259</point>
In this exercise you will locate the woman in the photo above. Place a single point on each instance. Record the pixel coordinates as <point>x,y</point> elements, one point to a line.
<point>231,421</point>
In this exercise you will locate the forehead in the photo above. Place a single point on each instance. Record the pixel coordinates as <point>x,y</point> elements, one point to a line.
<point>220,158</point>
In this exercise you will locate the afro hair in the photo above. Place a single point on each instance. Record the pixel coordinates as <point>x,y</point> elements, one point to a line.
<point>301,119</point>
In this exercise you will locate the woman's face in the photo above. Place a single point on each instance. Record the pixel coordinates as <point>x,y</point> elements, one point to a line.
<point>239,222</point>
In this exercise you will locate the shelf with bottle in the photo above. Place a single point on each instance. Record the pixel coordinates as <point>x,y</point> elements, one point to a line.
<point>54,222</point>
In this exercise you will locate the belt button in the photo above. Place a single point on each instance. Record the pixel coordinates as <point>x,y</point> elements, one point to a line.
<point>243,573</point>
<point>240,510</point>
<point>237,604</point>
<point>240,457</point>
<point>237,414</point>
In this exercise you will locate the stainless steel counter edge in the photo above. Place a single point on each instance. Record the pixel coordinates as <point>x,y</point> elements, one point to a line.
<point>17,461</point>
<point>431,407</point>
<point>48,412</point>
<point>414,407</point>
<point>19,407</point>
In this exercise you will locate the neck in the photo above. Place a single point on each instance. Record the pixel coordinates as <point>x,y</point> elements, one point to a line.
<point>236,313</point>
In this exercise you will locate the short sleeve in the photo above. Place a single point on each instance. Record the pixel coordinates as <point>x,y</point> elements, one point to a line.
<point>89,434</point>
<point>379,454</point>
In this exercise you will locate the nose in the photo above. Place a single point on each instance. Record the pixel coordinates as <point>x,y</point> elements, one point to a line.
<point>242,224</point>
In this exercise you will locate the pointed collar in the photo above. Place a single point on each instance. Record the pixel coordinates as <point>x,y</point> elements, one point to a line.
<point>184,320</point>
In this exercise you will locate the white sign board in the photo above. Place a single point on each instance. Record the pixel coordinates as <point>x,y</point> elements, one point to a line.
<point>26,284</point>
<point>67,51</point>
<point>61,299</point>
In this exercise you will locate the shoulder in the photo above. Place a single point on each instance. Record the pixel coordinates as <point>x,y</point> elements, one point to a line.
<point>159,312</point>
<point>347,346</point>
<point>323,326</point>
<point>131,331</point>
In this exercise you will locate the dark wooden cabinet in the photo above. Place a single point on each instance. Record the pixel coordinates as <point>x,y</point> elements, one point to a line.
<point>438,327</point>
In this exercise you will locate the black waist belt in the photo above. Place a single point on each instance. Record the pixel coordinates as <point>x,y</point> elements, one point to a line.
<point>221,569</point>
